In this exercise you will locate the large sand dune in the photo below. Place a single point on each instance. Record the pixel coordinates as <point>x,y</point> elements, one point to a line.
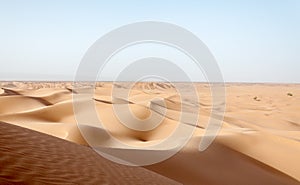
<point>258,142</point>
<point>29,157</point>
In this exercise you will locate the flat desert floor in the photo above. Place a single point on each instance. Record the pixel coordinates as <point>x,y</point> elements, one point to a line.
<point>258,143</point>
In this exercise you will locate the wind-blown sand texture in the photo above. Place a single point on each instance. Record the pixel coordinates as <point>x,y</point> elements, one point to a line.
<point>258,142</point>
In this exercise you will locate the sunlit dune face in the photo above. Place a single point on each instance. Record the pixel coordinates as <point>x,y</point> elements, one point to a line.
<point>139,112</point>
<point>146,106</point>
<point>132,137</point>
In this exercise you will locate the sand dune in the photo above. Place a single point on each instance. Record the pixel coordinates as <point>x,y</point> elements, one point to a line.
<point>258,142</point>
<point>29,157</point>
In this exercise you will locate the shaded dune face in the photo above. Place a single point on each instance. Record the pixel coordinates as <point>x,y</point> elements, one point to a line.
<point>258,142</point>
<point>220,165</point>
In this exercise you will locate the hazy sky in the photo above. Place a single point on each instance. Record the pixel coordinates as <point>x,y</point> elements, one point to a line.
<point>253,41</point>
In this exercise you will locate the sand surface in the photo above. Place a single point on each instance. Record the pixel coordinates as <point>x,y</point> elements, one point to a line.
<point>30,157</point>
<point>257,144</point>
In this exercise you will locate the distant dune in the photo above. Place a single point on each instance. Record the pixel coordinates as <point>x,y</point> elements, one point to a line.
<point>258,142</point>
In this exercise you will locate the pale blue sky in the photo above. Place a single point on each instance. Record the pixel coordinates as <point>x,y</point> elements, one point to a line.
<point>253,41</point>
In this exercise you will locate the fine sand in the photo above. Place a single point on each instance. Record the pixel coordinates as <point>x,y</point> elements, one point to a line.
<point>257,144</point>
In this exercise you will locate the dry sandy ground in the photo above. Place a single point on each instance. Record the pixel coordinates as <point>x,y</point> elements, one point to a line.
<point>258,142</point>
